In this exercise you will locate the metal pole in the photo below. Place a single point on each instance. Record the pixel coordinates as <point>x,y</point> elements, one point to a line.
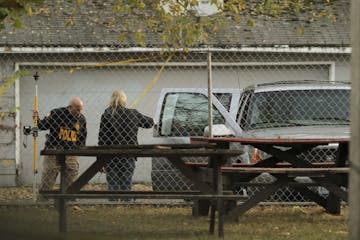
<point>210,123</point>
<point>35,134</point>
<point>354,178</point>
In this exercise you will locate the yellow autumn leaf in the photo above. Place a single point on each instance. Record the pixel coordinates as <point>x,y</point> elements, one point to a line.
<point>251,22</point>
<point>121,37</point>
<point>139,36</point>
<point>29,11</point>
<point>73,11</point>
<point>299,31</point>
<point>69,23</point>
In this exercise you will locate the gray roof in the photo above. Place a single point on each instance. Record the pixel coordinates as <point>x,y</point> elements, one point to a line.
<point>91,29</point>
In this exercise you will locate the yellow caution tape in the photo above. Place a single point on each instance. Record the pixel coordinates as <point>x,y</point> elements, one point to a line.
<point>155,79</point>
<point>7,162</point>
<point>104,64</point>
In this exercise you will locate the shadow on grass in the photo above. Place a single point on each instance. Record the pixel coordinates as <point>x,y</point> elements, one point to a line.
<point>140,222</point>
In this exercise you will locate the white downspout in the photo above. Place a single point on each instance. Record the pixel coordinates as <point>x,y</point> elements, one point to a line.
<point>332,72</point>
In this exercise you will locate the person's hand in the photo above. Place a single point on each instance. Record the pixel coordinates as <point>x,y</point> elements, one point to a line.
<point>35,114</point>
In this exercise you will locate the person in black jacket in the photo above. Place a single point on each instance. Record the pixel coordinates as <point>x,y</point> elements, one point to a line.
<point>67,127</point>
<point>119,126</point>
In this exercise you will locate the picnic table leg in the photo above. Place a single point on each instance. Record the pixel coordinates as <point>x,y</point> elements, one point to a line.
<point>333,201</point>
<point>220,203</point>
<point>62,214</point>
<point>220,218</point>
<point>214,163</point>
<point>257,198</point>
<point>201,207</point>
<point>212,219</point>
<point>61,202</point>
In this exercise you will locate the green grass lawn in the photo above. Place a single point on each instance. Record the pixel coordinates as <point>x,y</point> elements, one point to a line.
<point>145,222</point>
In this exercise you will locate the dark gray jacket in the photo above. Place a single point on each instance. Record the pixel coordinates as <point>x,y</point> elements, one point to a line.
<point>121,126</point>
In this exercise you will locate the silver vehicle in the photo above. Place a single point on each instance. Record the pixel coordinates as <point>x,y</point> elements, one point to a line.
<point>181,114</point>
<point>294,109</point>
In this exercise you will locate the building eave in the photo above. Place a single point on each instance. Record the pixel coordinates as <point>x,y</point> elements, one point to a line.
<point>275,49</point>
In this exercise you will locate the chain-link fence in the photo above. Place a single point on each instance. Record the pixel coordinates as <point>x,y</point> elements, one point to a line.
<point>170,89</point>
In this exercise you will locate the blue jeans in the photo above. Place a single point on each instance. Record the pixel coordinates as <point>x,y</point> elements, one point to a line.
<point>119,172</point>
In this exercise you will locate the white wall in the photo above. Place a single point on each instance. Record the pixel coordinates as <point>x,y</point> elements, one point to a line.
<point>95,86</point>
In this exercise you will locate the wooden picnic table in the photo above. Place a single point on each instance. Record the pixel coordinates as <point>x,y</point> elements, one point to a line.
<point>285,152</point>
<point>208,182</point>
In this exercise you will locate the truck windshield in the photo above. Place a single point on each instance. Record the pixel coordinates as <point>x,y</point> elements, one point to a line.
<point>298,108</point>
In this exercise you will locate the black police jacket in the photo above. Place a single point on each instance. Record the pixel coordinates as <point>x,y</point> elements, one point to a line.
<point>66,130</point>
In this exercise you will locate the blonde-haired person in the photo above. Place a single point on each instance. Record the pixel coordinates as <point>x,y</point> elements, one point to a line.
<point>119,126</point>
<point>118,98</point>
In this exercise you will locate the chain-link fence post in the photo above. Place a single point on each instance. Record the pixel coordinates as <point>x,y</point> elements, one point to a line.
<point>354,178</point>
<point>209,71</point>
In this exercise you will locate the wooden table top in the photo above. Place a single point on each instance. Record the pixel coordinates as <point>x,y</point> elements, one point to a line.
<point>282,141</point>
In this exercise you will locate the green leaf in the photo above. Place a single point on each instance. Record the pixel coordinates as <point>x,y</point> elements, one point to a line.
<point>17,23</point>
<point>267,3</point>
<point>9,81</point>
<point>142,5</point>
<point>164,38</point>
<point>121,37</point>
<point>69,23</point>
<point>299,31</point>
<point>29,11</point>
<point>73,11</point>
<point>237,18</point>
<point>251,22</point>
<point>139,36</point>
<point>14,109</point>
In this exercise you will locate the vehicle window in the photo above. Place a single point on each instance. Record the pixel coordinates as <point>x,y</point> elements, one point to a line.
<point>186,114</point>
<point>243,98</point>
<point>244,110</point>
<point>225,99</point>
<point>298,108</point>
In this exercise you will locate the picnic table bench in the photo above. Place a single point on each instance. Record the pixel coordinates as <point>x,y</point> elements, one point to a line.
<point>285,166</point>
